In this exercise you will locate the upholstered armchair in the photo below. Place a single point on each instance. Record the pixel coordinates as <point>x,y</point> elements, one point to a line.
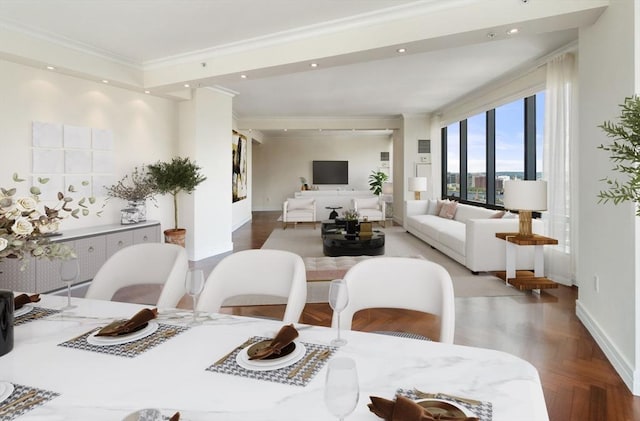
<point>371,208</point>
<point>298,210</point>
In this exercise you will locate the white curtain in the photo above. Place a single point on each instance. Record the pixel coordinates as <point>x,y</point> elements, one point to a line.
<point>560,167</point>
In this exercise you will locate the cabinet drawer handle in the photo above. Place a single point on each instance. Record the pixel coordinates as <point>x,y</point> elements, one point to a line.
<point>91,249</point>
<point>120,243</point>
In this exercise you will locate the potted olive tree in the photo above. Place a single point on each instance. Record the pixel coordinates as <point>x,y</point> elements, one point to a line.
<point>178,175</point>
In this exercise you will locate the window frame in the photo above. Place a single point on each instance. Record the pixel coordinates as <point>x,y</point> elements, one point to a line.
<point>529,157</point>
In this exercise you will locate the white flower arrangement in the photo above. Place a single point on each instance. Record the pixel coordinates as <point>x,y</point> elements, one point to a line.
<point>24,228</point>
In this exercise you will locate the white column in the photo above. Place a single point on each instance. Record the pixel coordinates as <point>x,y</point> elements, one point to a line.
<point>205,136</point>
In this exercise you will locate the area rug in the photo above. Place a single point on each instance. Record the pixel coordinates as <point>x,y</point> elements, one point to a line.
<point>306,242</point>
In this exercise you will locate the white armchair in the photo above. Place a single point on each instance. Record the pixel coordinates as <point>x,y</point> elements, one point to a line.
<point>298,210</point>
<point>371,208</point>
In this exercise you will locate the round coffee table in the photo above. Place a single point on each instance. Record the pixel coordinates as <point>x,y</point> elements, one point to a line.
<point>353,245</point>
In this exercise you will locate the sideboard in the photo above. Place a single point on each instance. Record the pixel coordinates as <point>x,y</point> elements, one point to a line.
<point>93,245</point>
<point>332,198</point>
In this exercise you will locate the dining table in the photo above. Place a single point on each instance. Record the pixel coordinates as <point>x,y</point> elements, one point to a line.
<point>196,370</point>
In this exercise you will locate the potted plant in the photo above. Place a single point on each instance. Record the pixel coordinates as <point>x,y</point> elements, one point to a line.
<point>135,188</point>
<point>625,153</point>
<point>376,178</point>
<point>178,175</point>
<point>304,186</point>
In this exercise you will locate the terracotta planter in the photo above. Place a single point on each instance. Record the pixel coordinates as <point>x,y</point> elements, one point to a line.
<point>175,236</point>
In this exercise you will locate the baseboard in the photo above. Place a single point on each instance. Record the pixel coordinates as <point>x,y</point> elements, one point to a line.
<point>625,370</point>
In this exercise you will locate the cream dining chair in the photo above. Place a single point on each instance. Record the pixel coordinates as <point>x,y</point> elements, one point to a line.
<point>258,272</point>
<point>403,283</point>
<point>148,263</point>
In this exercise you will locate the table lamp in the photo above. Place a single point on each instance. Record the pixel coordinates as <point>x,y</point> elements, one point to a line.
<point>525,196</point>
<point>417,185</point>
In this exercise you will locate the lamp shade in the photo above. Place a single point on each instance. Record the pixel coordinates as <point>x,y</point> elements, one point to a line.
<point>528,195</point>
<point>418,184</point>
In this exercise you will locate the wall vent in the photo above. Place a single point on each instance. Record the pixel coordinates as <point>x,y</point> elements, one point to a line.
<point>424,146</point>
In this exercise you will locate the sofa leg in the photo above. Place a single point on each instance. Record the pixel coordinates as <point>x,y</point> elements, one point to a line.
<point>474,273</point>
<point>284,225</point>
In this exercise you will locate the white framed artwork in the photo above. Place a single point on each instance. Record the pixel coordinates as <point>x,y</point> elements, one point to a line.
<point>77,161</point>
<point>77,137</point>
<point>102,139</point>
<point>47,161</point>
<point>46,135</point>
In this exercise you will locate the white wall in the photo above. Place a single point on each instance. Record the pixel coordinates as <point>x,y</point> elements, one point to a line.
<point>278,163</point>
<point>145,127</point>
<point>607,233</point>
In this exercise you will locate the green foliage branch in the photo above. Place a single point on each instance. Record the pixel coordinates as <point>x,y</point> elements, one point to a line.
<point>624,151</point>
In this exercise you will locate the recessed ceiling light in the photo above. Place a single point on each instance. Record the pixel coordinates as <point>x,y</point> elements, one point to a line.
<point>512,31</point>
<point>250,130</point>
<point>285,129</point>
<point>314,65</point>
<point>186,85</point>
<point>51,68</point>
<point>243,76</point>
<point>491,35</point>
<point>147,92</point>
<point>105,81</point>
<point>401,50</point>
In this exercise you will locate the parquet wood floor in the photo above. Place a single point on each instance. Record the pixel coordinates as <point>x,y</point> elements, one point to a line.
<point>578,381</point>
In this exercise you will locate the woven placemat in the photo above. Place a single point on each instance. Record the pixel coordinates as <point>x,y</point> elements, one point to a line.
<point>26,398</point>
<point>36,313</point>
<point>484,411</point>
<point>306,368</point>
<point>130,349</point>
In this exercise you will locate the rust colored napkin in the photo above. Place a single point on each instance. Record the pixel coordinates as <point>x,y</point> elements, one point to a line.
<point>285,336</point>
<point>122,327</point>
<point>405,409</point>
<point>22,299</point>
<point>175,417</point>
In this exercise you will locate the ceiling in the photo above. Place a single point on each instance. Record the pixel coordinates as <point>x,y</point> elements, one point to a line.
<point>355,77</point>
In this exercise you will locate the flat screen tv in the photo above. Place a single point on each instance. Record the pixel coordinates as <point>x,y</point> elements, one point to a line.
<point>330,172</point>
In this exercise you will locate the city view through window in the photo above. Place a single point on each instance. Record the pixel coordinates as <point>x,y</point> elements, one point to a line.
<point>505,140</point>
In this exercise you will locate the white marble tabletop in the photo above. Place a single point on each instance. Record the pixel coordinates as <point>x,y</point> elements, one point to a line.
<point>172,376</point>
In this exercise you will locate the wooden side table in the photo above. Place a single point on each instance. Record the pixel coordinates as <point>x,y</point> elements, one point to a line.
<point>525,279</point>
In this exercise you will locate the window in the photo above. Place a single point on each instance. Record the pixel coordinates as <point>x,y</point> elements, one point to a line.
<point>477,158</point>
<point>509,137</point>
<point>488,148</point>
<point>453,160</point>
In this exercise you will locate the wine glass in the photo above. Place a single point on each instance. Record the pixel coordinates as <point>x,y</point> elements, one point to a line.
<point>69,271</point>
<point>338,300</point>
<point>341,391</point>
<point>194,283</point>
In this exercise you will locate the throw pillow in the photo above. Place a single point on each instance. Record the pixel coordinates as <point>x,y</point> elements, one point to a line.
<point>300,204</point>
<point>368,203</point>
<point>448,210</point>
<point>497,215</point>
<point>440,204</point>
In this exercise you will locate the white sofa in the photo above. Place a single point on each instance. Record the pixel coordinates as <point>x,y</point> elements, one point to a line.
<point>469,238</point>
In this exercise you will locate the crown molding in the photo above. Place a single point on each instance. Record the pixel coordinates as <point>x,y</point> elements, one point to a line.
<point>408,10</point>
<point>70,44</point>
